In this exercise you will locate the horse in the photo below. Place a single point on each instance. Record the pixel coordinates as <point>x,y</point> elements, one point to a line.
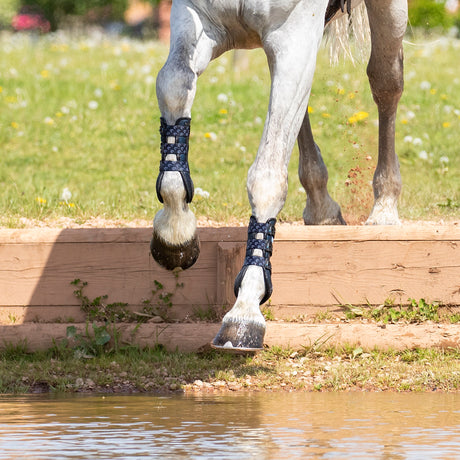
<point>290,32</point>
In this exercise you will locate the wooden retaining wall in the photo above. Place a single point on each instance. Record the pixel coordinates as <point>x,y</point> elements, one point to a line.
<point>314,269</point>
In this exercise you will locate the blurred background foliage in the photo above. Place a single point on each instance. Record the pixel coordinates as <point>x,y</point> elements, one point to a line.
<point>443,15</point>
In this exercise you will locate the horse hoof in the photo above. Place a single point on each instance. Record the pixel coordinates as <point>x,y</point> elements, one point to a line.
<point>172,256</point>
<point>240,336</point>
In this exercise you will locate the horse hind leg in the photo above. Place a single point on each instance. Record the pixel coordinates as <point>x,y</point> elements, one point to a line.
<point>388,21</point>
<point>320,208</point>
<point>175,241</point>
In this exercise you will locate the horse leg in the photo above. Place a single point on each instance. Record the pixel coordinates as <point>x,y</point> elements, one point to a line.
<point>320,209</point>
<point>388,21</point>
<point>175,241</point>
<point>291,52</point>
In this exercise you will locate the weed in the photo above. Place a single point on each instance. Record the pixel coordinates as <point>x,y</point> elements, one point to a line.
<point>97,309</point>
<point>268,313</point>
<point>323,316</point>
<point>160,303</point>
<point>415,312</point>
<point>208,314</point>
<point>12,318</point>
<point>316,346</point>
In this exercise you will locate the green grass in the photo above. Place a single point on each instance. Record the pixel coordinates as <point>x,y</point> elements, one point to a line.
<point>318,368</point>
<point>82,114</point>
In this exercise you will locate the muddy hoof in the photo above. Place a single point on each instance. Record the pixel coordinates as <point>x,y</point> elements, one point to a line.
<point>174,256</point>
<point>240,336</point>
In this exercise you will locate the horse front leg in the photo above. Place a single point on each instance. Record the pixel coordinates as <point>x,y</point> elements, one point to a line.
<point>291,51</point>
<point>388,21</point>
<point>175,241</point>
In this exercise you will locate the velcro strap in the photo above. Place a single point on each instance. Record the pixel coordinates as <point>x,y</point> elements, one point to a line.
<point>180,129</point>
<point>259,261</point>
<point>174,166</point>
<point>264,245</point>
<point>174,149</point>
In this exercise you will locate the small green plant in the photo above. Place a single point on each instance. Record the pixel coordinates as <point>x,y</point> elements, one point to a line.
<point>268,313</point>
<point>449,203</point>
<point>415,312</point>
<point>455,318</point>
<point>323,316</point>
<point>87,345</point>
<point>12,318</point>
<point>316,347</point>
<point>208,314</point>
<point>160,303</point>
<point>97,309</point>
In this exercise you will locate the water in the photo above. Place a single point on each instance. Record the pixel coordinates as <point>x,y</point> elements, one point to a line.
<point>261,426</point>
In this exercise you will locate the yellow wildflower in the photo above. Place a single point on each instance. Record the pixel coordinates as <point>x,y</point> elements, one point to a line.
<point>44,74</point>
<point>326,115</point>
<point>358,116</point>
<point>433,91</point>
<point>446,124</point>
<point>114,85</point>
<point>40,200</point>
<point>14,125</point>
<point>310,109</point>
<point>340,91</point>
<point>223,111</point>
<point>351,95</point>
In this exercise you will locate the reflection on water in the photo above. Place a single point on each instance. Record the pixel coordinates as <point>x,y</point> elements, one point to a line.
<point>262,425</point>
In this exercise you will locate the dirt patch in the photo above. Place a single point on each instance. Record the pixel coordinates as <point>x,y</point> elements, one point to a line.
<point>202,222</point>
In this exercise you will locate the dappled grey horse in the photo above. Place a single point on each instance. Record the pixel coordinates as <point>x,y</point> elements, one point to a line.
<point>290,33</point>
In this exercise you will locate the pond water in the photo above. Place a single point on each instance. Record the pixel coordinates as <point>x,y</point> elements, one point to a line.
<point>261,425</point>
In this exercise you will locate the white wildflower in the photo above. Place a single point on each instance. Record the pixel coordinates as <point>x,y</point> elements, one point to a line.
<point>425,85</point>
<point>423,155</point>
<point>201,193</point>
<point>444,159</point>
<point>66,195</point>
<point>93,105</point>
<point>258,120</point>
<point>417,141</point>
<point>98,92</point>
<point>222,97</point>
<point>408,139</point>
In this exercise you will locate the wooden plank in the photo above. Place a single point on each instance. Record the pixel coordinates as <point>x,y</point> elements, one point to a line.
<point>309,268</point>
<point>288,232</point>
<point>230,258</point>
<point>191,337</point>
<point>327,273</point>
<point>40,274</point>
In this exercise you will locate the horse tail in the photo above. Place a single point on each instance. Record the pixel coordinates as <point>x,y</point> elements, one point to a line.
<point>349,35</point>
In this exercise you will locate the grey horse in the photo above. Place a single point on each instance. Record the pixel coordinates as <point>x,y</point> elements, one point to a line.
<point>290,32</point>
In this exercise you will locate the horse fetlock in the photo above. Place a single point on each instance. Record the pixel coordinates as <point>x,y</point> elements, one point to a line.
<point>384,212</point>
<point>171,256</point>
<point>175,241</point>
<point>241,332</point>
<point>325,213</point>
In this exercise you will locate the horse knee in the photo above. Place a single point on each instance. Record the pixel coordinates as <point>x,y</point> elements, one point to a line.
<point>267,191</point>
<point>386,80</point>
<point>175,87</point>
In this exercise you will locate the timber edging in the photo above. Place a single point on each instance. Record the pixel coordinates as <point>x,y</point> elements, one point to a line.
<point>194,337</point>
<point>314,269</point>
